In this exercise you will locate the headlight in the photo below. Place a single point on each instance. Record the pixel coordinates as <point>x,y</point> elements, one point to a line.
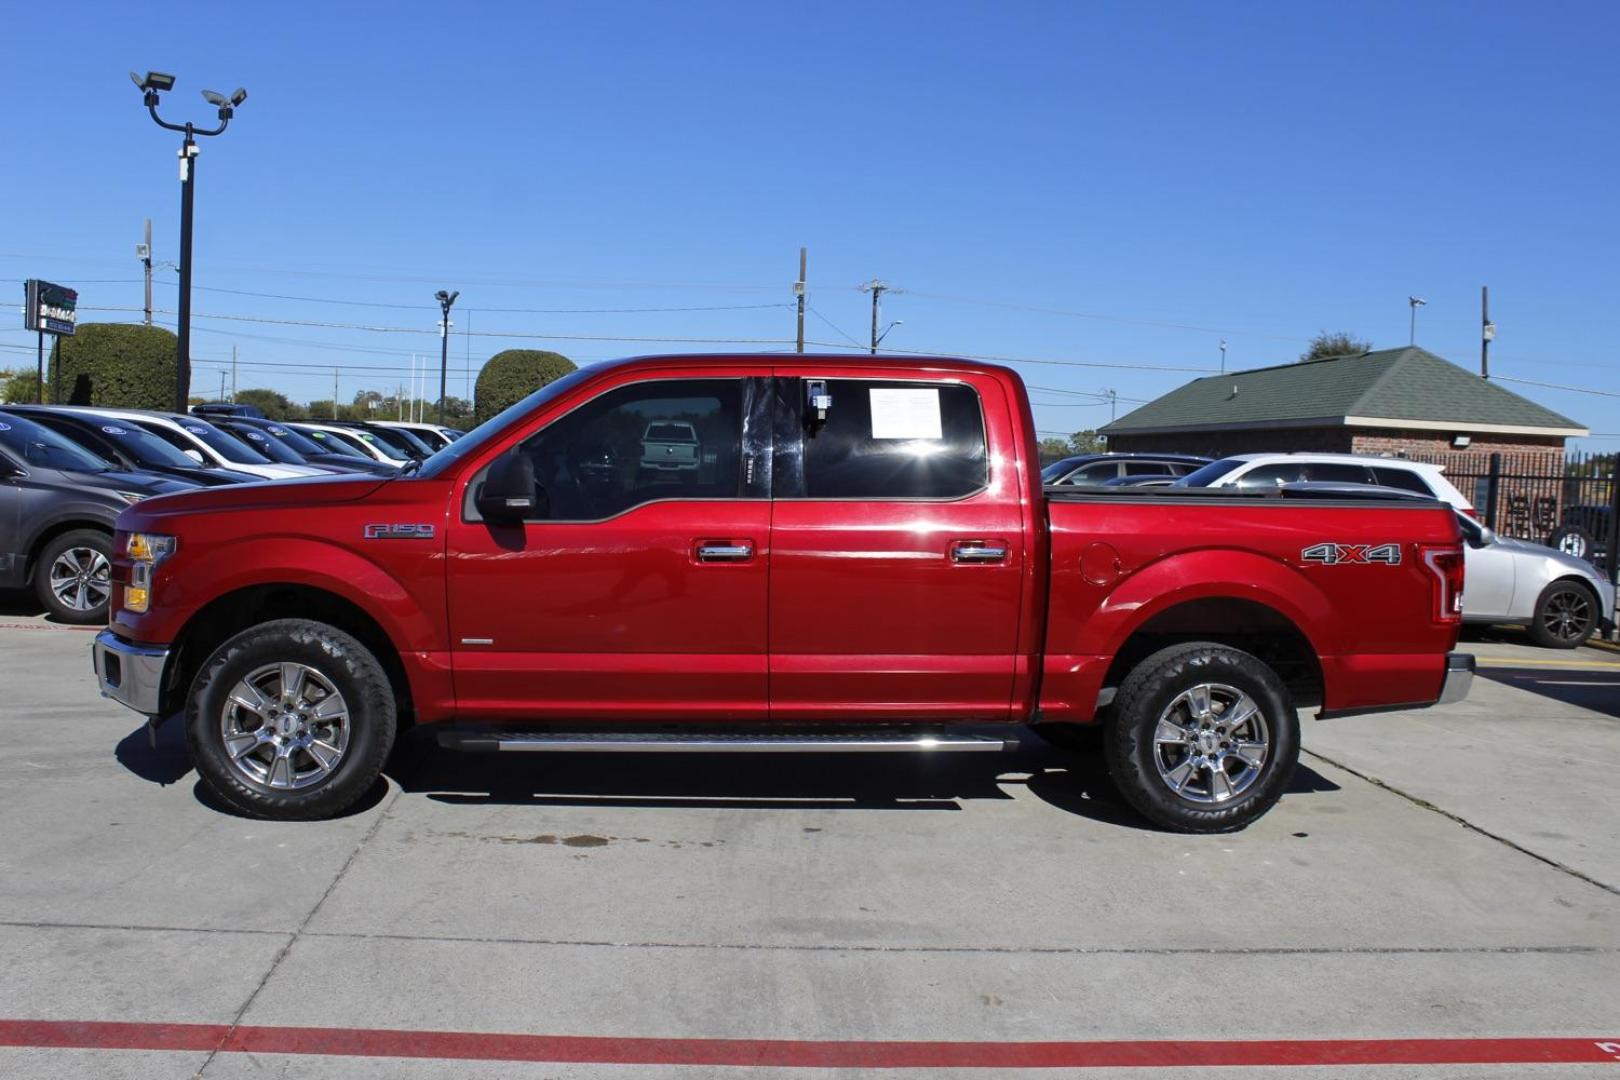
<point>130,496</point>
<point>145,551</point>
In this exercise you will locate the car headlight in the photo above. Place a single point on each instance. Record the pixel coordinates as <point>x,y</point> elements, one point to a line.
<point>145,551</point>
<point>130,496</point>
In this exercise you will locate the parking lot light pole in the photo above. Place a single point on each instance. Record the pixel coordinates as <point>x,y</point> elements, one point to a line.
<point>446,300</point>
<point>150,86</point>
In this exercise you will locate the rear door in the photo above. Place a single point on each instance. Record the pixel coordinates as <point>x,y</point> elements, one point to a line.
<point>897,551</point>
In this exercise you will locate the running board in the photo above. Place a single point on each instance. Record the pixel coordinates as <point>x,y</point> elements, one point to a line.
<point>713,743</point>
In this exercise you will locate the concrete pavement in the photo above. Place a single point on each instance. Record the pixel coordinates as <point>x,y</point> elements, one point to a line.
<point>1442,874</point>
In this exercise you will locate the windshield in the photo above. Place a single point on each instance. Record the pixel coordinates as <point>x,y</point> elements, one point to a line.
<point>272,448</point>
<point>470,443</point>
<point>230,449</point>
<point>1209,473</point>
<point>35,444</point>
<point>382,446</point>
<point>146,449</point>
<point>295,440</point>
<point>1058,468</point>
<point>399,439</point>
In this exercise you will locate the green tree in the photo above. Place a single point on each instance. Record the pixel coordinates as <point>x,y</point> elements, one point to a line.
<point>18,386</point>
<point>458,413</point>
<point>1053,449</point>
<point>1339,343</point>
<point>513,375</point>
<point>120,364</point>
<point>270,402</point>
<point>1086,442</point>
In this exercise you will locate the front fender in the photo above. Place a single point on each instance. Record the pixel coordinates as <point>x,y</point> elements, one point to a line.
<point>183,587</point>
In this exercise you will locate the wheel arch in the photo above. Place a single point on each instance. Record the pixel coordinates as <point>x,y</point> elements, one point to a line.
<point>50,532</point>
<point>235,611</point>
<point>1249,625</point>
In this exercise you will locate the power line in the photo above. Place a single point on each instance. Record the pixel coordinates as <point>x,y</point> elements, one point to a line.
<point>1559,386</point>
<point>836,328</point>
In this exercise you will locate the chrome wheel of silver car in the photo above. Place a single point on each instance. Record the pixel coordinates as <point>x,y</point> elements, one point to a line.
<point>285,726</point>
<point>81,578</point>
<point>1211,743</point>
<point>1567,615</point>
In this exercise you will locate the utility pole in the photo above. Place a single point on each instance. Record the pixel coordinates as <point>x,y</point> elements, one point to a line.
<point>798,291</point>
<point>1223,356</point>
<point>1416,302</point>
<point>1487,332</point>
<point>233,374</point>
<point>334,393</point>
<point>1113,402</point>
<point>877,289</point>
<point>222,384</point>
<point>144,253</point>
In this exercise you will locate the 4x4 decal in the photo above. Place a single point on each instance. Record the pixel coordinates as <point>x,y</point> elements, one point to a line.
<point>1342,554</point>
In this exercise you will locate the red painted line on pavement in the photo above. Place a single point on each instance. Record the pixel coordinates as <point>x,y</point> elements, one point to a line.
<point>795,1053</point>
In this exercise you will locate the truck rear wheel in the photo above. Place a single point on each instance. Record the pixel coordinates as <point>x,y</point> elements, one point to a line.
<point>291,720</point>
<point>1203,738</point>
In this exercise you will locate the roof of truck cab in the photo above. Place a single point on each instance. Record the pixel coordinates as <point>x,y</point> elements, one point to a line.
<point>792,361</point>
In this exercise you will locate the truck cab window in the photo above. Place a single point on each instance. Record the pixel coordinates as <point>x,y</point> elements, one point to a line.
<point>665,439</point>
<point>896,440</point>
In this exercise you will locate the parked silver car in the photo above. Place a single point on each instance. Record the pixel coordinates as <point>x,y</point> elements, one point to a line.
<point>1559,598</point>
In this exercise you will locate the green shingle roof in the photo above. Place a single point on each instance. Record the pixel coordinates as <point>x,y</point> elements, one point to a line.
<point>1391,384</point>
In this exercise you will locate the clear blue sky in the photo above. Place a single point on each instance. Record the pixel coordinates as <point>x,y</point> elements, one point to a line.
<point>1252,172</point>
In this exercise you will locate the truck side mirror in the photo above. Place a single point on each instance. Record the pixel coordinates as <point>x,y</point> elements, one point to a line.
<point>509,494</point>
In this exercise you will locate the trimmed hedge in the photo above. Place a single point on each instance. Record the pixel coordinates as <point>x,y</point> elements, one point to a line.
<point>513,375</point>
<point>118,364</point>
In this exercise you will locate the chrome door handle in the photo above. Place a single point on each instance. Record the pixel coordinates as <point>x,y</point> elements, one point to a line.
<point>978,551</point>
<point>721,551</point>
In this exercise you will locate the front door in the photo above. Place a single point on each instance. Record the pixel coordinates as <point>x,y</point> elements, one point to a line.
<point>897,552</point>
<point>638,590</point>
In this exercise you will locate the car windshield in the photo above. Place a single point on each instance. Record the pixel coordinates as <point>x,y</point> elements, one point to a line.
<point>297,441</point>
<point>382,446</point>
<point>1209,473</point>
<point>233,450</point>
<point>475,440</point>
<point>1058,468</point>
<point>147,450</point>
<point>36,444</point>
<point>266,444</point>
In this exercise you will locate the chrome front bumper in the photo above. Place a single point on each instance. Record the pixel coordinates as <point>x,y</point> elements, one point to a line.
<point>129,674</point>
<point>1459,678</point>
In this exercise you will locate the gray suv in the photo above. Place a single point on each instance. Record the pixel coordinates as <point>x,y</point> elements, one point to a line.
<point>58,503</point>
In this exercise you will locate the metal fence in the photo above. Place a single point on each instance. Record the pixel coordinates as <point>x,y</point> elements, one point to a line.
<point>1572,502</point>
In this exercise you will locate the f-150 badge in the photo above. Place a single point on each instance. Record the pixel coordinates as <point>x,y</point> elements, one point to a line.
<point>1343,554</point>
<point>399,532</point>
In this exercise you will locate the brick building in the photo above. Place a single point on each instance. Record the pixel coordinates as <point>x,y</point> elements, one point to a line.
<point>1402,402</point>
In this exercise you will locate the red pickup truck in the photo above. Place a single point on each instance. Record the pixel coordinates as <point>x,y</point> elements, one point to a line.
<point>858,556</point>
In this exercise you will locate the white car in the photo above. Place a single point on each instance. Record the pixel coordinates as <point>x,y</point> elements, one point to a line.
<point>1559,598</point>
<point>204,443</point>
<point>355,437</point>
<point>435,436</point>
<point>1274,470</point>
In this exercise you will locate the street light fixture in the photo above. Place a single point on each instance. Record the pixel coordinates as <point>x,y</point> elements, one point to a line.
<point>886,329</point>
<point>152,84</point>
<point>446,301</point>
<point>1416,302</point>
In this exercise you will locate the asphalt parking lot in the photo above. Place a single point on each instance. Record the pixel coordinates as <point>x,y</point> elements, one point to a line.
<point>1449,875</point>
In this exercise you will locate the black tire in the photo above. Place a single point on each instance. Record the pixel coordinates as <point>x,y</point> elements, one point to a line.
<point>1566,614</point>
<point>1573,540</point>
<point>1153,690</point>
<point>335,658</point>
<point>77,545</point>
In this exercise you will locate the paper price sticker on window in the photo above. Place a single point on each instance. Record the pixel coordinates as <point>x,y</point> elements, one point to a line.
<point>909,413</point>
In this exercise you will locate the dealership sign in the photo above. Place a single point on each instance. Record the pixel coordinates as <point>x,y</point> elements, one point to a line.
<point>50,309</point>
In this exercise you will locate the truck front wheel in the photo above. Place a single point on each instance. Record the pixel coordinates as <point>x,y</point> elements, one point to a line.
<point>291,719</point>
<point>1202,738</point>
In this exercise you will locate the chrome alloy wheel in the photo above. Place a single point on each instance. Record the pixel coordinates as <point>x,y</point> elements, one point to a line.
<point>1210,743</point>
<point>1568,615</point>
<point>81,578</point>
<point>285,726</point>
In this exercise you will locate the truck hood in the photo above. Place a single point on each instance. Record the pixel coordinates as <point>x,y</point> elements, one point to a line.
<point>316,491</point>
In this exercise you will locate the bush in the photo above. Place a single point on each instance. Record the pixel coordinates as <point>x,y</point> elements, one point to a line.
<point>115,364</point>
<point>512,375</point>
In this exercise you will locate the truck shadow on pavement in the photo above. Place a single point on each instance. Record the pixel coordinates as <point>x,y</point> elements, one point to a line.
<point>1076,783</point>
